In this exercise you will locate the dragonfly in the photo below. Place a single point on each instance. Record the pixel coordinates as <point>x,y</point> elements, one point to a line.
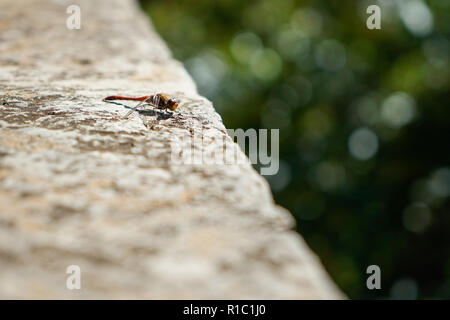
<point>159,100</point>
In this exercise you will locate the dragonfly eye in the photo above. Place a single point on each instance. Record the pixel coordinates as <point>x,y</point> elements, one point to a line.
<point>173,104</point>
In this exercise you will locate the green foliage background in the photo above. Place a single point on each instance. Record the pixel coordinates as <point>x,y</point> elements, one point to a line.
<point>364,123</point>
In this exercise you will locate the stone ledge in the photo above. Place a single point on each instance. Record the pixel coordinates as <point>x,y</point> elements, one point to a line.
<point>81,185</point>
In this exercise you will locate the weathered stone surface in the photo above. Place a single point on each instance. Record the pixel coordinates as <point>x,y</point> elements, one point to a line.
<point>81,185</point>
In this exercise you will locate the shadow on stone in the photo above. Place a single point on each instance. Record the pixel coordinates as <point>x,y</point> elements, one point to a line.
<point>161,115</point>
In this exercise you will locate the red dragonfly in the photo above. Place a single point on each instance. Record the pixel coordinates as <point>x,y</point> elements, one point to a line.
<point>160,101</point>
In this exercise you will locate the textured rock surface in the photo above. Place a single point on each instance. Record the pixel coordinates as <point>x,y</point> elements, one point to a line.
<point>80,185</point>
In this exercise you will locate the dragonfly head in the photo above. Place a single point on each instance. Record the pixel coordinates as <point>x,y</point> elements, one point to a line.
<point>172,104</point>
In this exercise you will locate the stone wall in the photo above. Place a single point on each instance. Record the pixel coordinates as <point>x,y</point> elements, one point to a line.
<point>81,185</point>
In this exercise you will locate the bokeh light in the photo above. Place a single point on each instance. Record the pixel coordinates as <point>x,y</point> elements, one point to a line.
<point>398,109</point>
<point>416,16</point>
<point>244,46</point>
<point>280,180</point>
<point>417,217</point>
<point>308,21</point>
<point>266,64</point>
<point>208,69</point>
<point>363,144</point>
<point>404,289</point>
<point>330,55</point>
<point>440,182</point>
<point>329,176</point>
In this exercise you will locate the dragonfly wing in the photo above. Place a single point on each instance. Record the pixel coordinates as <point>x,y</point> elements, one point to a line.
<point>156,99</point>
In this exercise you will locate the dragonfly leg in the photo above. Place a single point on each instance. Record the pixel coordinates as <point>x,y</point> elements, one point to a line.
<point>134,109</point>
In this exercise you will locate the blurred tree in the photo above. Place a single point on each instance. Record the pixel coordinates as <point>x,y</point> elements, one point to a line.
<point>363,118</point>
